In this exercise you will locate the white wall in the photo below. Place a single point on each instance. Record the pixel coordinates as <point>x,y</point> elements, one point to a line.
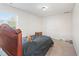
<point>27,22</point>
<point>58,26</point>
<point>75,28</point>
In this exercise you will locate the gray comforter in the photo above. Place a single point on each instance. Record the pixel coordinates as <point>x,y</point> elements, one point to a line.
<point>38,47</point>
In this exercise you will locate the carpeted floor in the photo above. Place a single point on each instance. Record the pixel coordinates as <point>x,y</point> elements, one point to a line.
<point>61,48</point>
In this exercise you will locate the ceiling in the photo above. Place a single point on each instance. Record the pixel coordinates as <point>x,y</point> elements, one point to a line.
<point>53,8</point>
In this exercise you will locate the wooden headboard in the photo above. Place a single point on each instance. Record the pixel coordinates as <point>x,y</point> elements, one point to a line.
<point>38,33</point>
<point>11,40</point>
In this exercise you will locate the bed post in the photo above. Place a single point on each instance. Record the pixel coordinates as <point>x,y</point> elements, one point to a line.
<point>19,50</point>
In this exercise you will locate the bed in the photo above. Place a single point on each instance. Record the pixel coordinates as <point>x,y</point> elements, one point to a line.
<point>38,47</point>
<point>13,44</point>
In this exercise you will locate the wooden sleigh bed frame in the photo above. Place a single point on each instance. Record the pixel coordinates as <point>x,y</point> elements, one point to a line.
<point>11,40</point>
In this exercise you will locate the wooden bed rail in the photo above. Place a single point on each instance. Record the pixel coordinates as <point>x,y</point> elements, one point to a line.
<point>19,50</point>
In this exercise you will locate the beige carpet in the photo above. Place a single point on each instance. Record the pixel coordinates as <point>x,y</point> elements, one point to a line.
<point>61,48</point>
